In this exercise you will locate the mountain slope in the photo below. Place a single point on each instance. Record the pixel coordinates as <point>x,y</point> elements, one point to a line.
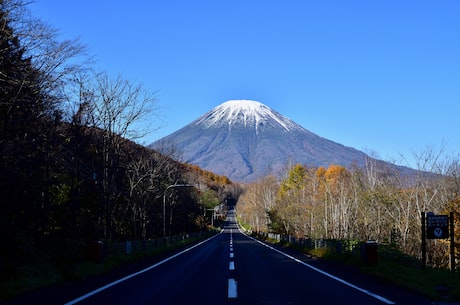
<point>245,140</point>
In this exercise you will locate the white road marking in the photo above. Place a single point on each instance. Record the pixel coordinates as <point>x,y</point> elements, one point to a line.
<point>376,296</point>
<point>139,272</point>
<point>232,289</point>
<point>232,284</point>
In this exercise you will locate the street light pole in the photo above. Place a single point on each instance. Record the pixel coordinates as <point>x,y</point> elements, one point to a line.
<point>164,203</point>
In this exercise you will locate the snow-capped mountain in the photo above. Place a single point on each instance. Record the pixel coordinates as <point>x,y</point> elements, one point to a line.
<point>250,114</point>
<point>246,140</point>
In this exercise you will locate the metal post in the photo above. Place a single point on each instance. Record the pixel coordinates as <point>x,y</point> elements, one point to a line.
<point>212,216</point>
<point>452,243</point>
<point>423,241</point>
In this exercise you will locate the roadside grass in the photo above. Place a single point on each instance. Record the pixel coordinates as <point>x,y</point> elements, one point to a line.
<point>42,271</point>
<point>26,278</point>
<point>404,271</point>
<point>437,284</point>
<point>397,268</point>
<point>242,224</point>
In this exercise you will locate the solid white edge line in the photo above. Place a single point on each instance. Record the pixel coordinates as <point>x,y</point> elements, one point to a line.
<point>74,301</point>
<point>376,296</point>
<point>232,289</point>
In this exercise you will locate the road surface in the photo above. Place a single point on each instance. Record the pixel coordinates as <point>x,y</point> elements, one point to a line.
<point>232,268</point>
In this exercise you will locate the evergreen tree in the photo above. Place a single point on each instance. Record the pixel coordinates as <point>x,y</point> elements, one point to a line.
<point>21,128</point>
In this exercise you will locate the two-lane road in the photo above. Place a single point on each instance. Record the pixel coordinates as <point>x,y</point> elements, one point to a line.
<point>231,268</point>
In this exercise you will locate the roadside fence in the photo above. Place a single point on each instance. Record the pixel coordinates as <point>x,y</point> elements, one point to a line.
<point>338,246</point>
<point>98,250</point>
<point>367,251</point>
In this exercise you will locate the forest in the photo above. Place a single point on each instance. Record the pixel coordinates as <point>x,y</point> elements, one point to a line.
<point>372,203</point>
<point>70,168</point>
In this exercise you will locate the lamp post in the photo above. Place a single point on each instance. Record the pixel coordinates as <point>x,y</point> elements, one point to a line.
<point>164,203</point>
<point>212,216</point>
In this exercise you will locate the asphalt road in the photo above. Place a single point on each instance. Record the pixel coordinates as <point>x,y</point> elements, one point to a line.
<point>232,268</point>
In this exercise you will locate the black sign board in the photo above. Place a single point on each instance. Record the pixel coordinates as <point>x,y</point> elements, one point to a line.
<point>437,226</point>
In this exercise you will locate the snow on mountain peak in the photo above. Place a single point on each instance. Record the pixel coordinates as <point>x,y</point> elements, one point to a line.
<point>247,112</point>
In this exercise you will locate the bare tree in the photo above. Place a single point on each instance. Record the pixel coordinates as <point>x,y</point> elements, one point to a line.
<point>113,107</point>
<point>146,174</point>
<point>255,203</point>
<point>118,106</point>
<point>57,61</point>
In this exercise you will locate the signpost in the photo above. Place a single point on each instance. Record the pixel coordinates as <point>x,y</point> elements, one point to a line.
<point>438,227</point>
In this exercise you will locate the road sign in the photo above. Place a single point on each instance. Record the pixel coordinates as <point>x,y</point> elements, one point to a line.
<point>437,226</point>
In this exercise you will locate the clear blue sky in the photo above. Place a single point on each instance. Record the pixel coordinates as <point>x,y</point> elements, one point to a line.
<point>381,75</point>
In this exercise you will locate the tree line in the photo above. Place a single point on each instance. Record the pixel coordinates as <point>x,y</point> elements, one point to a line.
<point>376,202</point>
<point>70,169</point>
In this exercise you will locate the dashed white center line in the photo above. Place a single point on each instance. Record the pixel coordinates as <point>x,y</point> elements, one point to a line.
<point>232,289</point>
<point>232,284</point>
